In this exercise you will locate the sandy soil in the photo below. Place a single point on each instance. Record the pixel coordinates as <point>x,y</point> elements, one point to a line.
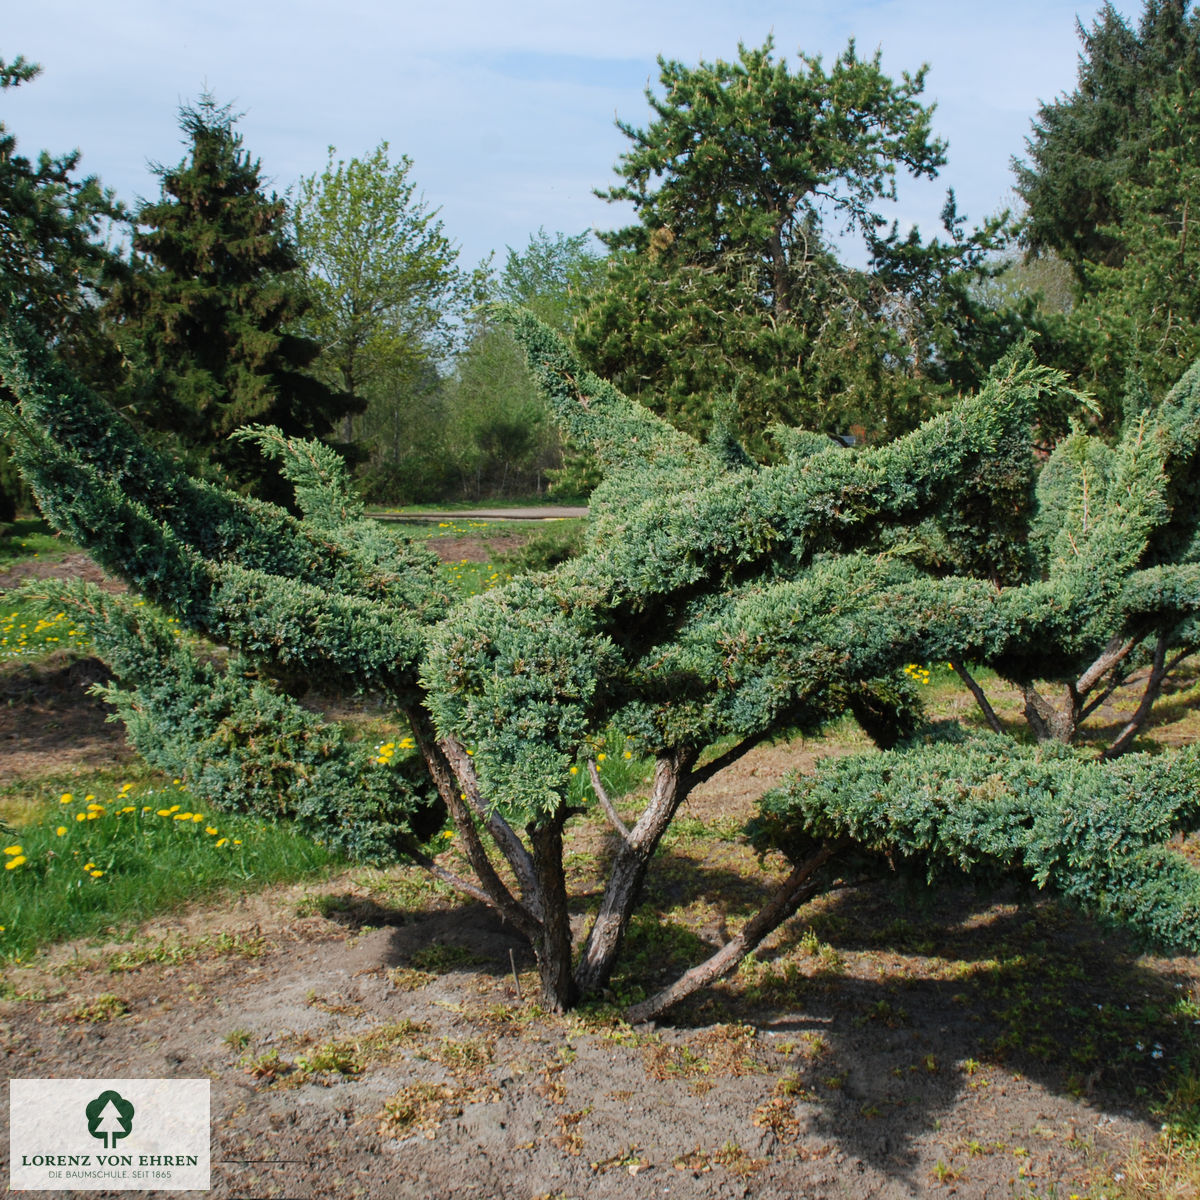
<point>372,1036</point>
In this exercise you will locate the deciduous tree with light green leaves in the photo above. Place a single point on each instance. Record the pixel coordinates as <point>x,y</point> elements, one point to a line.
<point>380,275</point>
<point>501,437</point>
<point>716,604</point>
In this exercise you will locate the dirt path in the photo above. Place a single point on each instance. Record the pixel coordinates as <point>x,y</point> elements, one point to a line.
<point>548,512</point>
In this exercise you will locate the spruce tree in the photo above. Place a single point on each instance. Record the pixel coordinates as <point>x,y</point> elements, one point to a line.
<point>1088,145</point>
<point>208,316</point>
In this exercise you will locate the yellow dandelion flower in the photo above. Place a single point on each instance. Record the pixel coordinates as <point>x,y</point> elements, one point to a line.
<point>174,808</point>
<point>89,796</point>
<point>574,770</point>
<point>61,830</point>
<point>65,798</point>
<point>13,850</point>
<point>81,816</point>
<point>163,812</point>
<point>601,757</point>
<point>221,841</point>
<point>237,841</point>
<point>197,817</point>
<point>126,787</point>
<point>628,754</point>
<point>87,866</point>
<point>183,816</point>
<point>93,816</point>
<point>210,831</point>
<point>14,862</point>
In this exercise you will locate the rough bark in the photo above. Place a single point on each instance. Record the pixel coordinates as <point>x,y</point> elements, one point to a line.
<point>552,946</point>
<point>628,871</point>
<point>1047,722</point>
<point>797,888</point>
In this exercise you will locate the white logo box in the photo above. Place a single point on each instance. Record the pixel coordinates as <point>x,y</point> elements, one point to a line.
<point>108,1134</point>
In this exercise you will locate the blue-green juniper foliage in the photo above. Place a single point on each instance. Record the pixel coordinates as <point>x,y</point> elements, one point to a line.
<point>716,602</point>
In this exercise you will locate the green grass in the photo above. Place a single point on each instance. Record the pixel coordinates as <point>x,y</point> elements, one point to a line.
<point>31,538</point>
<point>94,861</point>
<point>620,772</point>
<point>29,629</point>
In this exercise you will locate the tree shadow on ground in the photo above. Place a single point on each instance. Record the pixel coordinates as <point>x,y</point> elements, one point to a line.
<point>896,1003</point>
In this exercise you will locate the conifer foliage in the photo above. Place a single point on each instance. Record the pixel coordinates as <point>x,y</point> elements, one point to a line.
<point>52,266</point>
<point>207,318</point>
<point>715,604</point>
<point>729,282</point>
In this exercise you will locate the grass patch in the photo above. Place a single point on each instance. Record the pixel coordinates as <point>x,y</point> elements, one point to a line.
<point>104,859</point>
<point>29,629</point>
<point>31,538</point>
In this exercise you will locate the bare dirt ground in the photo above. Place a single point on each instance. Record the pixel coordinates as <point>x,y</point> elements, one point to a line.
<point>371,1035</point>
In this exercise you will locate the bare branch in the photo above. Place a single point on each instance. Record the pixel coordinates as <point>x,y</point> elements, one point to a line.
<point>985,707</point>
<point>502,833</point>
<point>718,764</point>
<point>442,774</point>
<point>1116,651</point>
<point>466,886</point>
<point>1158,673</point>
<point>605,803</point>
<point>798,887</point>
<point>629,869</point>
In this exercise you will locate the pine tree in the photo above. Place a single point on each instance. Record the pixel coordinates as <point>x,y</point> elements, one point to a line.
<point>53,267</point>
<point>729,284</point>
<point>208,316</point>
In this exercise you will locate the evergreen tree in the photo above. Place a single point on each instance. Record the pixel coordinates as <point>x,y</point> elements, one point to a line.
<point>729,285</point>
<point>716,604</point>
<point>208,316</point>
<point>53,265</point>
<point>1088,145</point>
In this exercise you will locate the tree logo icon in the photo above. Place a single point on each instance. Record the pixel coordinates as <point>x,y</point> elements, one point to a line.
<point>109,1116</point>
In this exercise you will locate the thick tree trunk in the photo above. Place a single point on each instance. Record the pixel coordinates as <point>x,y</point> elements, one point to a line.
<point>552,946</point>
<point>629,869</point>
<point>1047,722</point>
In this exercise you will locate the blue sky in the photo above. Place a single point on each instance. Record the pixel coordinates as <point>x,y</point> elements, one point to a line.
<point>507,109</point>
